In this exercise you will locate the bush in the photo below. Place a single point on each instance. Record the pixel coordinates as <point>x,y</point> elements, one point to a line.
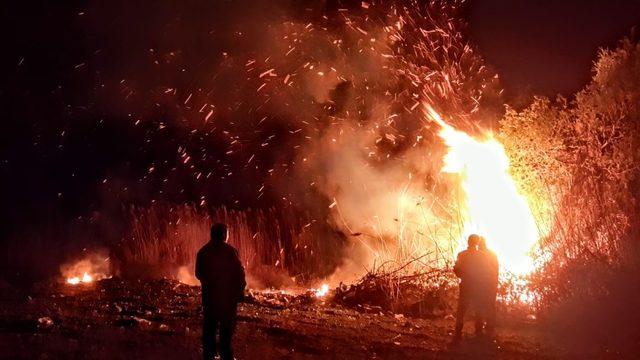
<point>581,159</point>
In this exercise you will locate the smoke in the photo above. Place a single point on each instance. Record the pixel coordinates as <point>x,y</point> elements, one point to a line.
<point>93,266</point>
<point>369,153</point>
<point>312,108</point>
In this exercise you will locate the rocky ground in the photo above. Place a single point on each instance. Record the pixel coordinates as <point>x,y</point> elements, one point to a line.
<point>113,319</point>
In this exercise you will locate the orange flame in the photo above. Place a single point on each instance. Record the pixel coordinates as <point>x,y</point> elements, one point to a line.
<point>493,206</point>
<point>75,280</point>
<point>322,291</point>
<point>92,268</point>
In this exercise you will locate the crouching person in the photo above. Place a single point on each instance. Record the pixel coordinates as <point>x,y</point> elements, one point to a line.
<point>222,277</point>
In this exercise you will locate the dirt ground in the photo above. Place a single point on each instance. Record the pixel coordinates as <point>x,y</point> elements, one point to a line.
<point>113,319</point>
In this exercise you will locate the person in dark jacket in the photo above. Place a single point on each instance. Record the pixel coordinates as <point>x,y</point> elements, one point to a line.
<point>468,269</point>
<point>222,277</point>
<point>489,286</point>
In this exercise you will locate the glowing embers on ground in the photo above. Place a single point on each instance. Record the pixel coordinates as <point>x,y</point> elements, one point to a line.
<point>85,271</point>
<point>75,280</point>
<point>492,206</point>
<point>322,291</point>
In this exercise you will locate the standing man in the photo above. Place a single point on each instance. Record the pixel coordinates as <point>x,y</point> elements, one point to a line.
<point>489,287</point>
<point>222,277</point>
<point>468,269</point>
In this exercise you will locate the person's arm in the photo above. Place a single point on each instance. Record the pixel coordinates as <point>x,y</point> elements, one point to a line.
<point>239,273</point>
<point>243,283</point>
<point>198,267</point>
<point>457,268</point>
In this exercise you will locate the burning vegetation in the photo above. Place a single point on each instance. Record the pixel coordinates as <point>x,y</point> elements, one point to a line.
<point>91,268</point>
<point>351,151</point>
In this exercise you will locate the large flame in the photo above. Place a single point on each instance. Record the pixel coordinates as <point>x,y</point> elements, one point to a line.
<point>492,206</point>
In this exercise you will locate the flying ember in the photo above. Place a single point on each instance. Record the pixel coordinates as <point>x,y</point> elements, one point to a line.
<point>492,205</point>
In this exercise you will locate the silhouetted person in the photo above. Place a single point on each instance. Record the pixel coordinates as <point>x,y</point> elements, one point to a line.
<point>489,286</point>
<point>222,277</point>
<point>468,268</point>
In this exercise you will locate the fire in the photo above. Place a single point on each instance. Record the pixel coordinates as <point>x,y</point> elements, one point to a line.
<point>75,280</point>
<point>493,207</point>
<point>322,291</point>
<point>92,268</point>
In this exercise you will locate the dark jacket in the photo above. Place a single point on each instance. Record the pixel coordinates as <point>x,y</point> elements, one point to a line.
<point>222,276</point>
<point>468,268</point>
<point>491,269</point>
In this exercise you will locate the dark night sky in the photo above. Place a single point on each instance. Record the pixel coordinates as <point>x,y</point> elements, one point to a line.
<point>547,47</point>
<point>537,47</point>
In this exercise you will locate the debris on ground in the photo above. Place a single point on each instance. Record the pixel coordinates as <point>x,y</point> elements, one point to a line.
<point>120,319</point>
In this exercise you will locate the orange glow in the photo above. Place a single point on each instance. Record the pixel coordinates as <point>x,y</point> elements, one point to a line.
<point>92,268</point>
<point>322,291</point>
<point>75,280</point>
<point>492,206</point>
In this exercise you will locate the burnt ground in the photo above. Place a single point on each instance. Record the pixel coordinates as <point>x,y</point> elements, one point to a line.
<point>113,319</point>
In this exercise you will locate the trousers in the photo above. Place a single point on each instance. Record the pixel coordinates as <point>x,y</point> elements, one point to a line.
<point>214,323</point>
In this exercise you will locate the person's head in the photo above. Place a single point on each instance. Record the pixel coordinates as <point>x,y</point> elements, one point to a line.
<point>219,233</point>
<point>473,241</point>
<point>482,243</point>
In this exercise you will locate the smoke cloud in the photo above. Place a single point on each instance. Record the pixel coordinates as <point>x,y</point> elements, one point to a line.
<point>312,108</point>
